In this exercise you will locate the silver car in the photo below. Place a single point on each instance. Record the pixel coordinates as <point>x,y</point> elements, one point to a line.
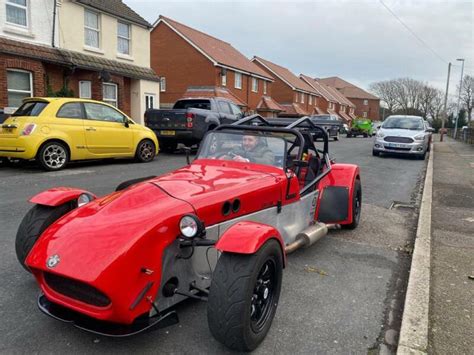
<point>403,135</point>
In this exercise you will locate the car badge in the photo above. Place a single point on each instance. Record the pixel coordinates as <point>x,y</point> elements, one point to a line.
<point>166,119</point>
<point>52,261</point>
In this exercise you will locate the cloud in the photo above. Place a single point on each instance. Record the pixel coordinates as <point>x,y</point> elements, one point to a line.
<point>359,41</point>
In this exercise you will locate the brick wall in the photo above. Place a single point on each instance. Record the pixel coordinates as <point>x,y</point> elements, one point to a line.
<point>372,108</point>
<point>180,63</point>
<point>30,65</point>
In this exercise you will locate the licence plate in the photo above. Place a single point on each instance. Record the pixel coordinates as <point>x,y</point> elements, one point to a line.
<point>168,133</point>
<point>395,145</point>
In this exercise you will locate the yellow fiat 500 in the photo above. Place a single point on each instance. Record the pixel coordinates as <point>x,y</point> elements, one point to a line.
<point>55,131</point>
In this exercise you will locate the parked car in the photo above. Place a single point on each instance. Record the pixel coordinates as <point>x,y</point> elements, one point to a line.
<point>189,120</point>
<point>403,135</point>
<point>361,127</point>
<point>331,123</point>
<point>218,230</point>
<point>55,131</point>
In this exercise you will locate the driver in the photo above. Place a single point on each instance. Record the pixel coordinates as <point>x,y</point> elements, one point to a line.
<point>253,150</point>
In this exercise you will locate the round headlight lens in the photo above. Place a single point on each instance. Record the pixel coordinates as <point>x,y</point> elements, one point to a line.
<point>83,199</point>
<point>189,227</point>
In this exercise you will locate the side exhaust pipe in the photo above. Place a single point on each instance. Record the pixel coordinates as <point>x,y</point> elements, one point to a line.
<point>309,236</point>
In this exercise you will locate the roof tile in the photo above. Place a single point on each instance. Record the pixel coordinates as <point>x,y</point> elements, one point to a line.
<point>347,89</point>
<point>212,91</point>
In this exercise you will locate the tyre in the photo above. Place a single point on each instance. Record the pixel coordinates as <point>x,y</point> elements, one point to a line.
<point>53,156</point>
<point>145,152</point>
<point>33,225</point>
<point>336,137</point>
<point>349,135</point>
<point>365,135</point>
<point>244,295</point>
<point>421,156</point>
<point>356,206</point>
<point>168,146</point>
<point>375,153</point>
<point>125,184</point>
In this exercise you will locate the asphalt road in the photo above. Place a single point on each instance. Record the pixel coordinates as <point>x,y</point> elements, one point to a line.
<point>342,295</point>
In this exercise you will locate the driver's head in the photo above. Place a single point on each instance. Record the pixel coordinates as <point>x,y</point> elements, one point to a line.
<point>249,142</point>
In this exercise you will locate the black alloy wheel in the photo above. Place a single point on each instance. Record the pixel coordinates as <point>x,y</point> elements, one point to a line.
<point>145,151</point>
<point>356,206</point>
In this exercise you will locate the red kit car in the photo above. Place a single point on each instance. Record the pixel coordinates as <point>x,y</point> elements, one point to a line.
<point>218,230</point>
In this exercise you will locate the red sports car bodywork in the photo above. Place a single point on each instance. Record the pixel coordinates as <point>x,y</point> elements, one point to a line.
<point>122,257</point>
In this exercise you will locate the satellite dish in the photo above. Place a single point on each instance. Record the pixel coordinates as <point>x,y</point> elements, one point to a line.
<point>104,76</point>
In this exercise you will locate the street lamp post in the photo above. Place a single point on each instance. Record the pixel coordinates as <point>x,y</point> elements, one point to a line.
<point>459,96</point>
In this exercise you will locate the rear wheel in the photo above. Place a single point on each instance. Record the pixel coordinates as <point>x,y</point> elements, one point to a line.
<point>356,206</point>
<point>336,137</point>
<point>53,156</point>
<point>244,296</point>
<point>421,156</point>
<point>145,152</point>
<point>365,135</point>
<point>33,225</point>
<point>349,135</point>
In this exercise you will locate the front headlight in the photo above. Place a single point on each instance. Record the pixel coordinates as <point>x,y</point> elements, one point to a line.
<point>419,137</point>
<point>380,134</point>
<point>84,199</point>
<point>190,226</point>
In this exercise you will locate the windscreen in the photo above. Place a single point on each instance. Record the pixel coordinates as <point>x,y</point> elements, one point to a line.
<point>403,123</point>
<point>31,108</point>
<point>244,147</point>
<point>185,104</point>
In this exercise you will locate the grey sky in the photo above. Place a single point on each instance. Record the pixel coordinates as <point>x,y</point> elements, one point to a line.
<point>359,41</point>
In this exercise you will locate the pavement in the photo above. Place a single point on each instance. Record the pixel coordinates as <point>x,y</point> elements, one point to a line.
<point>451,317</point>
<point>344,295</point>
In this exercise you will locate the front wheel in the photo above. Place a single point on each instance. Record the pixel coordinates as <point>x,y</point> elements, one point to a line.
<point>244,295</point>
<point>375,153</point>
<point>356,206</point>
<point>33,225</point>
<point>146,151</point>
<point>336,137</point>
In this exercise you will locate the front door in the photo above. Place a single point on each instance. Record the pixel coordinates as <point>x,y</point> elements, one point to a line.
<point>105,131</point>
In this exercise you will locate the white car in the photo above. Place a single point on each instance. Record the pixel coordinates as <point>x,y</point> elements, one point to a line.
<point>403,135</point>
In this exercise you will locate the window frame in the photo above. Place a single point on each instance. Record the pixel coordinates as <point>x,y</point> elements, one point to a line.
<point>162,81</point>
<point>98,29</point>
<point>108,101</point>
<point>366,102</point>
<point>20,91</point>
<point>147,100</point>
<point>80,89</point>
<point>364,114</point>
<point>223,77</point>
<point>254,84</point>
<point>238,75</point>
<point>302,97</point>
<point>310,100</point>
<point>129,39</point>
<point>25,7</point>
<point>264,87</point>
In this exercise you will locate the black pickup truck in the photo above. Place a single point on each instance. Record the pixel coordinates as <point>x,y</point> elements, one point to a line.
<point>330,123</point>
<point>189,120</point>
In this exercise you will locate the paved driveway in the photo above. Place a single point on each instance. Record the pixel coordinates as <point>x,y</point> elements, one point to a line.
<point>343,295</point>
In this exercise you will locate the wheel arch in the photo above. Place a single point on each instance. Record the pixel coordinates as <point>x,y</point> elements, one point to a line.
<point>247,237</point>
<point>58,140</point>
<point>58,196</point>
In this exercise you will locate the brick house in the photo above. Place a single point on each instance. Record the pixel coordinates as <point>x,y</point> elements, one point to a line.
<point>367,105</point>
<point>335,101</point>
<point>327,103</point>
<point>295,95</point>
<point>95,50</point>
<point>184,57</point>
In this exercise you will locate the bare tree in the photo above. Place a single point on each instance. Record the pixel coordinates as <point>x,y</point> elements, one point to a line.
<point>467,93</point>
<point>426,97</point>
<point>437,105</point>
<point>385,90</point>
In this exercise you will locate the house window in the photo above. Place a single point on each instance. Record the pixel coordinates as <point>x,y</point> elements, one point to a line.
<point>302,97</point>
<point>364,114</point>
<point>162,84</point>
<point>150,101</point>
<point>109,93</point>
<point>254,84</point>
<point>264,87</point>
<point>343,108</point>
<point>85,91</point>
<point>123,38</point>
<point>310,99</point>
<point>19,86</point>
<point>91,29</point>
<point>238,81</point>
<point>223,77</point>
<point>17,12</point>
<point>366,102</point>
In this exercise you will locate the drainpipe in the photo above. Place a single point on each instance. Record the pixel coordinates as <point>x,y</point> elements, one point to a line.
<point>54,24</point>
